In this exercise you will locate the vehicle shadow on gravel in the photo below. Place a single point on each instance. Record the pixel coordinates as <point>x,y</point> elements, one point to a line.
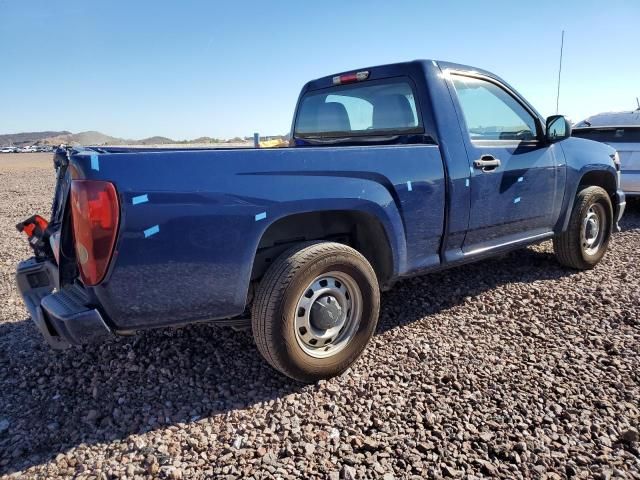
<point>419,297</point>
<point>159,380</point>
<point>100,394</point>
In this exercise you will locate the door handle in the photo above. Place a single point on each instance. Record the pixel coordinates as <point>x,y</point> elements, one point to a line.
<point>487,163</point>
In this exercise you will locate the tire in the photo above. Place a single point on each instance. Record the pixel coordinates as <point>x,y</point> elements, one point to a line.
<point>285,314</point>
<point>572,247</point>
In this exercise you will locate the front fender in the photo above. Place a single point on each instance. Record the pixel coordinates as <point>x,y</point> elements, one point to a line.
<point>584,157</point>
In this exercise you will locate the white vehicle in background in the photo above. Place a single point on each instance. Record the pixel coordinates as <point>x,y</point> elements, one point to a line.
<point>8,149</point>
<point>27,149</point>
<point>621,130</point>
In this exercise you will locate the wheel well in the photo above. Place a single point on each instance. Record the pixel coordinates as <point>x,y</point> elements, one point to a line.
<point>602,179</point>
<point>359,230</point>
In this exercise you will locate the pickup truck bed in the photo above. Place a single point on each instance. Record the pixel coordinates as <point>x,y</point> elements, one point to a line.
<point>212,216</point>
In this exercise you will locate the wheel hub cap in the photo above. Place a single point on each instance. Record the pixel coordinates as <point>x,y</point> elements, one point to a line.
<point>328,314</point>
<point>593,233</point>
<point>592,228</point>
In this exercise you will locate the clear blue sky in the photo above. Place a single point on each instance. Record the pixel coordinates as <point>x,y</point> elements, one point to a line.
<point>186,69</point>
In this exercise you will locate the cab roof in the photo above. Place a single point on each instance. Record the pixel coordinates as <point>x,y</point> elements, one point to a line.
<point>395,69</point>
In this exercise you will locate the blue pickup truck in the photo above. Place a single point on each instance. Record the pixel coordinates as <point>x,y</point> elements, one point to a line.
<point>392,171</point>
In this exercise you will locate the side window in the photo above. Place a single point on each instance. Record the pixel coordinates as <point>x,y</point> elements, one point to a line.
<point>491,113</point>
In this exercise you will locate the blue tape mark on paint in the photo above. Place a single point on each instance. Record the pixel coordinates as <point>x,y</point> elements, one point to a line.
<point>95,163</point>
<point>520,179</point>
<point>516,200</point>
<point>140,199</point>
<point>260,216</point>
<point>466,182</point>
<point>409,186</point>
<point>151,231</point>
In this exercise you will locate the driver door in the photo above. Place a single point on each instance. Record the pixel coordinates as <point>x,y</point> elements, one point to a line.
<point>514,172</point>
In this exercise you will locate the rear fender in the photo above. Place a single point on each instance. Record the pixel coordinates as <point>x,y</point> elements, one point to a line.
<point>197,264</point>
<point>388,218</point>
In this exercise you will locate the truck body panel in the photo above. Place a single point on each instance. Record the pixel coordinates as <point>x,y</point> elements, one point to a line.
<point>211,217</point>
<point>196,226</point>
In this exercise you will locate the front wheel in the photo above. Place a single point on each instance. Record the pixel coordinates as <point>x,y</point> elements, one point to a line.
<point>315,310</point>
<point>586,239</point>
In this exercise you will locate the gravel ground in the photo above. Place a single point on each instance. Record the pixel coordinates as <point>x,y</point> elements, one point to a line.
<point>510,368</point>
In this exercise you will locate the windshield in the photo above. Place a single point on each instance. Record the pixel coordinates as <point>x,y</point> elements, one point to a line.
<point>381,107</point>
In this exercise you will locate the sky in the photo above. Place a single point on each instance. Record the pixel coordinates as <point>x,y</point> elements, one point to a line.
<point>187,69</point>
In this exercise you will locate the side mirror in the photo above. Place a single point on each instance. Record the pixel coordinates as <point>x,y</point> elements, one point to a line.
<point>558,128</point>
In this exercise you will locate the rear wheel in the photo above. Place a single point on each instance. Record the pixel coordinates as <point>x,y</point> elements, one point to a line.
<point>586,239</point>
<point>315,310</point>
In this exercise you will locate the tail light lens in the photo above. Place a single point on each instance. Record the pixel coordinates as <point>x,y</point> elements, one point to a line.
<point>96,212</point>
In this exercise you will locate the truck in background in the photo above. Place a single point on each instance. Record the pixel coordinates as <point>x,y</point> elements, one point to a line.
<point>620,130</point>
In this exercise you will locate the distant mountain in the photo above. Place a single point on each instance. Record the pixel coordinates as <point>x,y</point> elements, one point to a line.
<point>155,141</point>
<point>206,140</point>
<point>86,138</point>
<point>96,138</point>
<point>28,137</point>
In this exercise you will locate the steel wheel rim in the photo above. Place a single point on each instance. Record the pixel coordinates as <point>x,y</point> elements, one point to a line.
<point>593,229</point>
<point>328,314</point>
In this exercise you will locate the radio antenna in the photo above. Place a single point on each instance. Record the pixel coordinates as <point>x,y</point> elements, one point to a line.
<point>559,72</point>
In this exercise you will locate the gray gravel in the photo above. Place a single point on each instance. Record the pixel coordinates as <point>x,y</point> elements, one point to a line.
<point>511,368</point>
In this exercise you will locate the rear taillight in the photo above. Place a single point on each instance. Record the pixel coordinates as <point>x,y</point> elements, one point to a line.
<point>95,210</point>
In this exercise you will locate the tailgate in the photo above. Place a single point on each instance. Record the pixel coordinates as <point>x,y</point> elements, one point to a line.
<point>44,235</point>
<point>51,240</point>
<point>59,212</point>
<point>63,184</point>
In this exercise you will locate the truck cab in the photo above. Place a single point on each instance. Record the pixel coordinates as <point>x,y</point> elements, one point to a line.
<point>505,177</point>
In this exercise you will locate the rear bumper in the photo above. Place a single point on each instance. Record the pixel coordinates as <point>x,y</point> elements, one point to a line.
<point>65,316</point>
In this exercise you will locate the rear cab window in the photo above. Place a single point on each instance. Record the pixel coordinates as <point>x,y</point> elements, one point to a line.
<point>372,108</point>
